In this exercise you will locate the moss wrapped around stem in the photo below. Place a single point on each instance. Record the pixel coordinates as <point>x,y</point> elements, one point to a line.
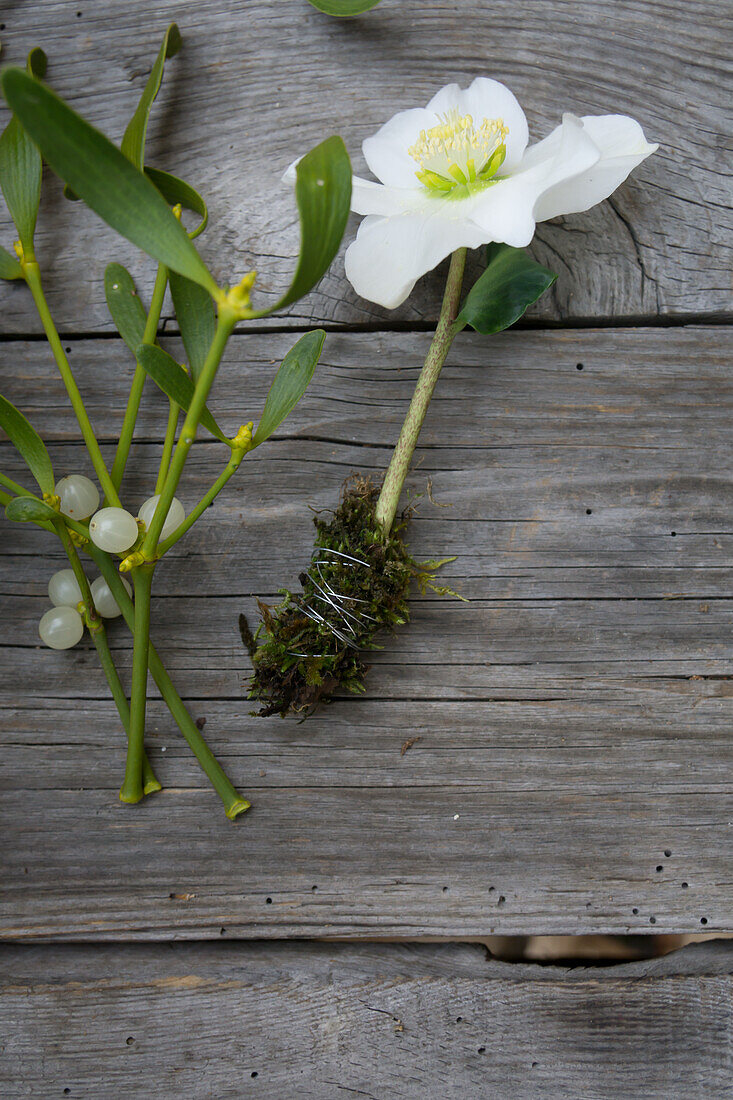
<point>357,584</point>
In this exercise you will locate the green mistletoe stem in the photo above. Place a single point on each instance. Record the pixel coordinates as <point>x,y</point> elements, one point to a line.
<point>132,790</point>
<point>150,781</point>
<point>225,323</point>
<point>10,484</point>
<point>138,381</point>
<point>99,637</point>
<point>229,470</point>
<point>32,274</point>
<point>168,443</point>
<point>143,572</point>
<point>234,804</point>
<point>441,342</point>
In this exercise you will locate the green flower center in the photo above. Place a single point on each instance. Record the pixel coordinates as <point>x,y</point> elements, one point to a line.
<point>455,157</point>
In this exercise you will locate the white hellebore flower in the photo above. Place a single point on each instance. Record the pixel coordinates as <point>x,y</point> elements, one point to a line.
<point>458,174</point>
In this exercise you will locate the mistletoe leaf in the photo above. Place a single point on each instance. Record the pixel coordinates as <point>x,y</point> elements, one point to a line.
<point>28,442</point>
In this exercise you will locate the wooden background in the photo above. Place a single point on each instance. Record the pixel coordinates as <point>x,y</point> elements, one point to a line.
<point>573,772</point>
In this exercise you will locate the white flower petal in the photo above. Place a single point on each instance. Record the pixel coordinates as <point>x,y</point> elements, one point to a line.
<point>487,98</point>
<point>622,146</point>
<point>375,198</point>
<point>289,175</point>
<point>386,151</point>
<point>507,211</point>
<point>390,254</point>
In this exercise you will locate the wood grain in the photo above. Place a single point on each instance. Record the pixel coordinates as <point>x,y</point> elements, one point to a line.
<point>382,1021</point>
<point>258,84</point>
<point>575,714</point>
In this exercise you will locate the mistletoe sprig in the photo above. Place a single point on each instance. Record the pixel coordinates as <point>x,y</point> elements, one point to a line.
<point>146,206</point>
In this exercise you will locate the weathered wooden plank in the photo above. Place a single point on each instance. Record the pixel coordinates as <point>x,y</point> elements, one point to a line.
<point>575,714</point>
<point>438,858</point>
<point>521,451</point>
<point>248,95</point>
<point>383,1021</point>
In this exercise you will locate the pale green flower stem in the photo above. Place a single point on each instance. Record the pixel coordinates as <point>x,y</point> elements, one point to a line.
<point>138,381</point>
<point>98,634</point>
<point>402,455</point>
<point>32,274</point>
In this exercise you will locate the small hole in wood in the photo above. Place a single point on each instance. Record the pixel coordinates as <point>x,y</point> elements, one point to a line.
<point>652,920</point>
<point>222,931</point>
<point>130,1040</point>
<point>673,534</point>
<point>68,351</point>
<point>589,511</point>
<point>254,1073</point>
<point>703,920</point>
<point>268,901</point>
<point>667,852</point>
<point>635,912</point>
<point>578,366</point>
<point>445,889</point>
<point>685,885</point>
<point>482,1050</point>
<point>501,901</point>
<point>659,868</point>
<point>534,1065</point>
<point>459,1019</point>
<point>492,889</point>
<point>314,888</point>
<point>78,15</point>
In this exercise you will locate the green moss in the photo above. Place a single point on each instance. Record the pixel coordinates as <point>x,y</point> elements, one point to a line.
<point>300,662</point>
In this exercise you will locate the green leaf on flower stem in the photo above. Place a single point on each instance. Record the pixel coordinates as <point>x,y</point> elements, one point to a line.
<point>9,266</point>
<point>323,194</point>
<point>499,297</point>
<point>290,383</point>
<point>175,190</point>
<point>126,309</point>
<point>103,177</point>
<point>20,179</point>
<point>29,510</point>
<point>133,141</point>
<point>174,382</point>
<point>28,442</point>
<point>196,320</point>
<point>344,7</point>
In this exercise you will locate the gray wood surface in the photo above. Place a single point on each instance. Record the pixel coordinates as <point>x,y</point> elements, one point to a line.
<point>258,83</point>
<point>575,714</point>
<point>573,768</point>
<point>381,1021</point>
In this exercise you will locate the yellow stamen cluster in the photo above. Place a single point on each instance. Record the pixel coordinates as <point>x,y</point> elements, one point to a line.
<point>457,152</point>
